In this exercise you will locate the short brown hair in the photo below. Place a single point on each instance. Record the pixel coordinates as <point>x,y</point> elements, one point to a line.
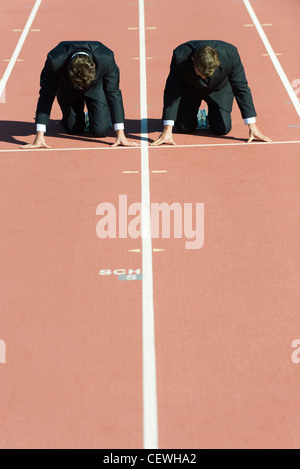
<point>206,60</point>
<point>82,70</point>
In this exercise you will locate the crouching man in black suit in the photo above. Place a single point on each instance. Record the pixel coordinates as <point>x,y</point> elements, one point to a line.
<point>211,71</point>
<point>80,73</point>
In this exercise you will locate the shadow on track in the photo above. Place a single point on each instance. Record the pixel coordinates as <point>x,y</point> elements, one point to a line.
<point>20,133</point>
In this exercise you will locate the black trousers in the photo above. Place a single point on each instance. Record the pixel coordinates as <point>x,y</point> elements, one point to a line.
<point>72,104</point>
<point>186,122</point>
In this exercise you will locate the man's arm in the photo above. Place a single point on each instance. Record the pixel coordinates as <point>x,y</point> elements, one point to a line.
<point>48,87</point>
<point>243,96</point>
<point>111,82</point>
<point>165,137</point>
<point>172,96</point>
<point>255,133</point>
<point>173,91</point>
<point>39,141</point>
<point>242,93</point>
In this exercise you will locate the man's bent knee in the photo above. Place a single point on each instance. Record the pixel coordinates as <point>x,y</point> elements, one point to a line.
<point>185,128</point>
<point>221,130</point>
<point>100,131</point>
<point>73,129</point>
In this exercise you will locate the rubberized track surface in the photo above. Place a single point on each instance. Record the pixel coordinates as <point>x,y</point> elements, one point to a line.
<point>82,368</point>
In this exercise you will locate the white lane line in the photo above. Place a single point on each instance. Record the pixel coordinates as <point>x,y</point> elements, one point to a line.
<point>19,46</point>
<point>248,145</point>
<point>244,144</point>
<point>3,96</point>
<point>273,57</point>
<point>27,150</point>
<point>150,422</point>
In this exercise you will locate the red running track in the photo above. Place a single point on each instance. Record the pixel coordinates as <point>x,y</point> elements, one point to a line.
<point>225,314</point>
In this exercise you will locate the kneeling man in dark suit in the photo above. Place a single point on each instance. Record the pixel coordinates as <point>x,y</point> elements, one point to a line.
<point>81,73</point>
<point>211,71</point>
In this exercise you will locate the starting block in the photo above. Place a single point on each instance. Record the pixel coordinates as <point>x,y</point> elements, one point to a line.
<point>202,119</point>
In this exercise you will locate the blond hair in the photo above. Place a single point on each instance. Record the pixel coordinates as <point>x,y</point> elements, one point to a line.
<point>206,60</point>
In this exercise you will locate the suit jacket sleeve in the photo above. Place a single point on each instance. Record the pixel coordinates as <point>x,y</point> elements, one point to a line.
<point>48,83</point>
<point>173,91</point>
<point>240,88</point>
<point>113,94</point>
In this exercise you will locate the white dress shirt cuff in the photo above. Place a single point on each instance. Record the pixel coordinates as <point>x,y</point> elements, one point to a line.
<point>250,120</point>
<point>168,122</point>
<point>118,126</point>
<point>40,128</point>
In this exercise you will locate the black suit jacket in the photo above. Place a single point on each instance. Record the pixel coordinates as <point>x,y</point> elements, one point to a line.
<point>228,80</point>
<point>54,75</point>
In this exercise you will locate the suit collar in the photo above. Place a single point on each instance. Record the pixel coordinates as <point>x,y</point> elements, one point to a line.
<point>215,77</point>
<point>80,52</point>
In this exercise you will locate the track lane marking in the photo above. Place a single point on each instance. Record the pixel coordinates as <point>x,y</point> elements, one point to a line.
<point>273,57</point>
<point>19,46</point>
<point>252,144</point>
<point>150,420</point>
